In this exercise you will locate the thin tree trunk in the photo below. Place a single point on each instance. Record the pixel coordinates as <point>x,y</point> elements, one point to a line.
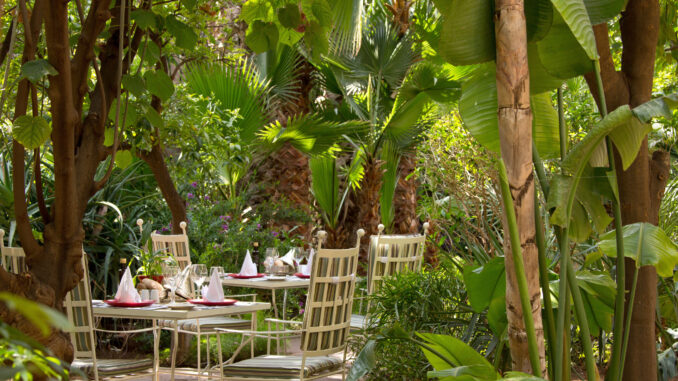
<point>515,131</point>
<point>405,219</point>
<point>641,186</point>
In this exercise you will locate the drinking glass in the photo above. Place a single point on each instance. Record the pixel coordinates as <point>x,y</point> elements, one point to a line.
<point>198,276</point>
<point>298,255</point>
<point>271,256</point>
<point>171,273</point>
<point>218,269</point>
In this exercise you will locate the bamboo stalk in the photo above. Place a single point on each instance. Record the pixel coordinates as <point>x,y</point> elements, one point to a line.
<point>544,280</point>
<point>519,266</point>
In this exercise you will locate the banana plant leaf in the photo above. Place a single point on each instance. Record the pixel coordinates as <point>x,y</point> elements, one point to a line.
<point>467,35</point>
<point>560,53</point>
<point>486,288</point>
<point>456,352</point>
<point>478,109</point>
<point>576,17</point>
<point>646,244</point>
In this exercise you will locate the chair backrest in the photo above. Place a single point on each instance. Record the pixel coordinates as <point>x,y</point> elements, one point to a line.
<point>13,259</point>
<point>391,254</point>
<point>327,316</point>
<point>78,305</point>
<point>175,245</point>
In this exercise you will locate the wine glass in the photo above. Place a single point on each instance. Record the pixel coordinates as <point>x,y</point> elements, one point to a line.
<point>198,276</point>
<point>298,255</point>
<point>171,273</point>
<point>218,269</point>
<point>271,256</point>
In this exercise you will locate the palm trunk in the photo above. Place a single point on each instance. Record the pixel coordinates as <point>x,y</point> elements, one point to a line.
<point>515,131</point>
<point>365,207</point>
<point>641,186</point>
<point>405,220</point>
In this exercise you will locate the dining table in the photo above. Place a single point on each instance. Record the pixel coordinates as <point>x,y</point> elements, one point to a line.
<point>159,311</point>
<point>270,283</point>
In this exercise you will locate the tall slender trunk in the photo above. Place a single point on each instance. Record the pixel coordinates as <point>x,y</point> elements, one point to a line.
<point>641,186</point>
<point>515,131</point>
<point>405,219</point>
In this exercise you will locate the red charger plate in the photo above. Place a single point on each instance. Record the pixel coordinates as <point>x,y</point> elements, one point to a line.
<point>238,276</point>
<point>302,276</point>
<point>226,302</point>
<point>115,303</point>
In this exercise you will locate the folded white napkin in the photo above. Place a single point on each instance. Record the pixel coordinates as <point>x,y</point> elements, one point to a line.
<point>213,292</point>
<point>289,258</point>
<point>126,291</point>
<point>248,267</point>
<point>307,269</point>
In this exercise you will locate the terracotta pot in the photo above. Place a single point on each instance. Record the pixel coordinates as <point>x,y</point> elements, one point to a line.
<point>157,278</point>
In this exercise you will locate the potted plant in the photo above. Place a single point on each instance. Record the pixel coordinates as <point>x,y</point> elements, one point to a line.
<point>150,264</point>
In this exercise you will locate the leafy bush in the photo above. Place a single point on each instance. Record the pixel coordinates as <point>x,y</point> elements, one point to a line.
<point>431,301</point>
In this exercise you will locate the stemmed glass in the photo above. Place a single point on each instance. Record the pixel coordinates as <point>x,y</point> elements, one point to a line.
<point>271,256</point>
<point>171,273</point>
<point>198,276</point>
<point>218,269</point>
<point>298,255</point>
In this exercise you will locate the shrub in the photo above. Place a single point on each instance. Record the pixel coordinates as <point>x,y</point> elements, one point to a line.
<point>431,301</point>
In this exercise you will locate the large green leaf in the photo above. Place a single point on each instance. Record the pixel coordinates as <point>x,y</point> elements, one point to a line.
<point>541,80</point>
<point>364,362</point>
<point>134,84</point>
<point>538,17</point>
<point>145,19</point>
<point>658,107</point>
<point>577,19</point>
<point>466,372</point>
<point>316,37</point>
<point>560,52</point>
<point>289,16</point>
<point>185,36</point>
<point>454,350</point>
<point>601,11</point>
<point>35,70</point>
<point>486,288</point>
<point>646,244</point>
<point>257,10</point>
<point>598,292</point>
<point>262,36</point>
<point>478,109</point>
<point>628,138</point>
<point>159,84</point>
<point>38,314</point>
<point>31,131</point>
<point>467,35</point>
<point>439,83</point>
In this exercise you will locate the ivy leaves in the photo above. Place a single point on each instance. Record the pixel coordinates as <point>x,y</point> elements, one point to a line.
<point>184,36</point>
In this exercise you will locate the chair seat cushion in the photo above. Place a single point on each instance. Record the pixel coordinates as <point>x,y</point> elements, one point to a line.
<point>358,321</point>
<point>281,366</point>
<point>112,367</point>
<point>207,323</point>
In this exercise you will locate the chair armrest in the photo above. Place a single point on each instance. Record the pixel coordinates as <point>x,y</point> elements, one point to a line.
<point>258,333</point>
<point>123,331</point>
<point>273,320</point>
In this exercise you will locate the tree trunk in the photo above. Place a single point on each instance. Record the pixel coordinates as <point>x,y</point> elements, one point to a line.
<point>405,219</point>
<point>641,186</point>
<point>515,131</point>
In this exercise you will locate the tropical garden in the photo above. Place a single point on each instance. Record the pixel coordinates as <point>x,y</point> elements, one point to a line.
<point>535,138</point>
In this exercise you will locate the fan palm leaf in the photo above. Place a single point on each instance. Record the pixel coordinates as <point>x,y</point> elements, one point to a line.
<point>236,88</point>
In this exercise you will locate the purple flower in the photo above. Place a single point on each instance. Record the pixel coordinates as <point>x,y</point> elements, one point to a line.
<point>164,229</point>
<point>228,218</point>
<point>223,218</point>
<point>274,233</point>
<point>258,226</point>
<point>301,304</point>
<point>301,311</point>
<point>194,184</point>
<point>224,227</point>
<point>207,198</point>
<point>190,195</point>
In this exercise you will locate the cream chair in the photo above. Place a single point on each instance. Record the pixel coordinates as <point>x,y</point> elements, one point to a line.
<point>78,305</point>
<point>12,259</point>
<point>325,327</point>
<point>177,246</point>
<point>389,255</point>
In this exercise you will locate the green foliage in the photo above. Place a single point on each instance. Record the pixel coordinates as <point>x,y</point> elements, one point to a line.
<point>31,131</point>
<point>35,70</point>
<point>22,357</point>
<point>486,288</point>
<point>646,244</point>
<point>432,301</point>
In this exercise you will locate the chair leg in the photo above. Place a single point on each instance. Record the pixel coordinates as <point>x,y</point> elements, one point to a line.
<point>175,346</point>
<point>198,348</point>
<point>221,360</point>
<point>207,349</point>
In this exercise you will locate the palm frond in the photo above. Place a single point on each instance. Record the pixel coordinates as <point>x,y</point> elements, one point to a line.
<point>347,25</point>
<point>440,83</point>
<point>403,127</point>
<point>235,88</point>
<point>310,134</point>
<point>282,73</point>
<point>325,188</point>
